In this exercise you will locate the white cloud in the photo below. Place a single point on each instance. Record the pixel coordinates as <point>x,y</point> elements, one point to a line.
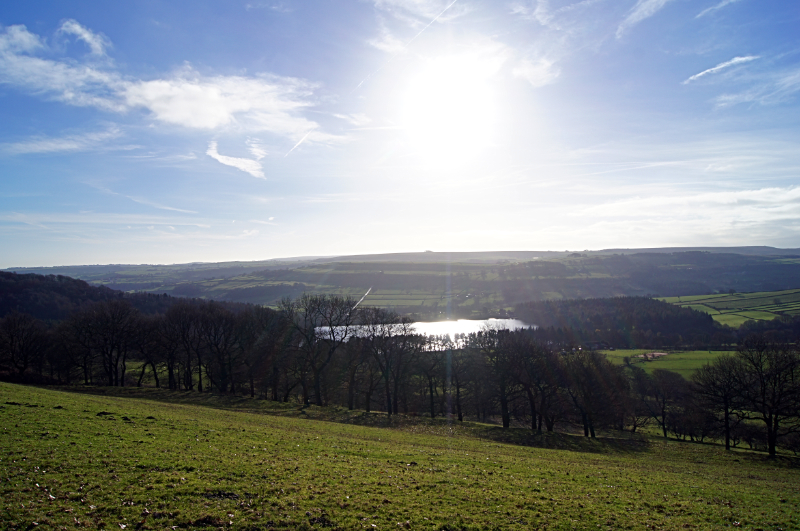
<point>262,103</point>
<point>538,73</point>
<point>253,167</point>
<point>97,43</point>
<point>713,8</point>
<point>75,84</point>
<point>17,39</point>
<point>722,66</point>
<point>643,9</point>
<point>66,143</point>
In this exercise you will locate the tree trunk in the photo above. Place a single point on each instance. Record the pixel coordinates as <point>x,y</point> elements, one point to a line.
<point>351,391</point>
<point>458,403</point>
<point>199,375</point>
<point>317,388</point>
<point>504,410</point>
<point>727,428</point>
<point>388,398</point>
<point>141,375</point>
<point>532,401</point>
<point>433,404</point>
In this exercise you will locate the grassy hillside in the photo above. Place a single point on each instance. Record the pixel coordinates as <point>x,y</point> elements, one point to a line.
<point>73,460</point>
<point>733,309</point>
<point>684,363</point>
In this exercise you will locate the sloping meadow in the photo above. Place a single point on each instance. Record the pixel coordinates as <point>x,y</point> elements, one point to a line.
<point>73,460</point>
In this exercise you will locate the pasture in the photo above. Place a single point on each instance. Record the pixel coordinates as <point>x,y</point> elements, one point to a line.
<point>185,461</point>
<point>684,363</point>
<point>733,309</point>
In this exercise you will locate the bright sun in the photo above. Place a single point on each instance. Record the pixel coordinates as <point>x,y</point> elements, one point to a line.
<point>449,109</point>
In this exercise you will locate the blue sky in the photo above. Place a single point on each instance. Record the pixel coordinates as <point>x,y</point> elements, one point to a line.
<point>165,132</point>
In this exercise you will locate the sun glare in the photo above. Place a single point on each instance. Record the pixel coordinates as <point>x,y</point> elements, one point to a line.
<point>449,109</point>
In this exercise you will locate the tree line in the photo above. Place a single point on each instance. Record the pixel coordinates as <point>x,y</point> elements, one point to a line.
<point>326,350</point>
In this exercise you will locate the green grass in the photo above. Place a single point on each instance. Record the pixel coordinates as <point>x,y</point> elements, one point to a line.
<point>684,363</point>
<point>74,460</point>
<point>737,308</point>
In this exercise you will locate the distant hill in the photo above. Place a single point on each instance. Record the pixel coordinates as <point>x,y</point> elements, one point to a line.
<point>436,285</point>
<point>54,297</point>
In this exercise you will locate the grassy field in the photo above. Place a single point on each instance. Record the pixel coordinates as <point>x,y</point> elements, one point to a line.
<point>684,363</point>
<point>185,461</point>
<point>735,308</point>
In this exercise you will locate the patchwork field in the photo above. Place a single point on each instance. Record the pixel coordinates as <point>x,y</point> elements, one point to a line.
<point>100,462</point>
<point>733,309</point>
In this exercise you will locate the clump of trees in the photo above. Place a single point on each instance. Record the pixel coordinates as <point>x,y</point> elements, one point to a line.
<point>326,350</point>
<point>623,322</point>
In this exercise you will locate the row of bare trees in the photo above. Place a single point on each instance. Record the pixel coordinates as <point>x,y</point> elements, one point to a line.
<point>325,350</point>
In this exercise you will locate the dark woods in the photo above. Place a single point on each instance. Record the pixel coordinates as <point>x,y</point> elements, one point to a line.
<point>324,350</point>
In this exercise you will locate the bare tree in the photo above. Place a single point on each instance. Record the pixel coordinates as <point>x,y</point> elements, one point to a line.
<point>146,342</point>
<point>497,357</point>
<point>660,393</point>
<point>183,322</point>
<point>717,387</point>
<point>22,341</point>
<point>323,323</point>
<point>393,347</point>
<point>771,386</point>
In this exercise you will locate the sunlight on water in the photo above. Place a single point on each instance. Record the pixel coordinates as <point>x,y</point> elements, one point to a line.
<point>467,326</point>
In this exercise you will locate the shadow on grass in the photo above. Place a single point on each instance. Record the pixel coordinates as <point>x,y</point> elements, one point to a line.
<point>615,442</point>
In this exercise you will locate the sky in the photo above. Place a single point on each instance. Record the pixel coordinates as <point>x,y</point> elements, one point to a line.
<point>207,130</point>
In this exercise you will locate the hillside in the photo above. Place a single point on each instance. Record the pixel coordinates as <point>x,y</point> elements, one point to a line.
<point>621,322</point>
<point>114,462</point>
<point>436,285</point>
<point>53,297</point>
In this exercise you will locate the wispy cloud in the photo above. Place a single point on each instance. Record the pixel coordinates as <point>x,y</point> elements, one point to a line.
<point>278,7</point>
<point>97,43</point>
<point>716,7</point>
<point>643,9</point>
<point>538,73</point>
<point>419,12</point>
<point>261,103</point>
<point>256,148</point>
<point>39,145</point>
<point>358,120</point>
<point>770,88</point>
<point>143,201</point>
<point>253,167</point>
<point>723,66</point>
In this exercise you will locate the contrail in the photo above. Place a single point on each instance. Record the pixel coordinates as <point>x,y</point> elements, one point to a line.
<point>295,146</point>
<point>405,45</point>
<point>362,298</point>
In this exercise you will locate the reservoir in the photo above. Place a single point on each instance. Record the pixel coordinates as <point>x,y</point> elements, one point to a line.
<point>440,328</point>
<point>466,326</point>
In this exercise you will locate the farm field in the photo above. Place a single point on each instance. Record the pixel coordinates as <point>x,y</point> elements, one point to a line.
<point>733,309</point>
<point>684,363</point>
<point>117,462</point>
